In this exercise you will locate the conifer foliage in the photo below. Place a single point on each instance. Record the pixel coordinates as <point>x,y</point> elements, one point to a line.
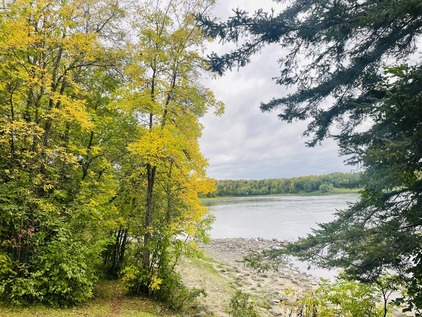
<point>353,69</point>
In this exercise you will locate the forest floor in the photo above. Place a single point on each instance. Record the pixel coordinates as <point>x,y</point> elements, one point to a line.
<point>110,300</point>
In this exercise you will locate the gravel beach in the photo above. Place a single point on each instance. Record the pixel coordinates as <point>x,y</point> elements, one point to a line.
<point>267,288</point>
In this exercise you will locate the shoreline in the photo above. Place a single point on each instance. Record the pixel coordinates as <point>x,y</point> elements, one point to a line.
<point>337,191</point>
<point>266,288</point>
<point>233,250</point>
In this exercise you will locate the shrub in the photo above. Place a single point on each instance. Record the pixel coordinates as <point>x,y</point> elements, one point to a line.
<point>62,274</point>
<point>339,298</point>
<point>241,305</point>
<point>165,286</point>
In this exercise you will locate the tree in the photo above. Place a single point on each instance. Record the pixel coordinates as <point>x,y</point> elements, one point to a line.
<point>99,151</point>
<point>165,171</point>
<point>54,177</point>
<point>282,186</point>
<point>381,231</point>
<point>350,63</point>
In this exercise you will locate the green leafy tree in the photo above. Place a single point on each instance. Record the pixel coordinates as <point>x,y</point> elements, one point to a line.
<point>99,151</point>
<point>278,186</point>
<point>347,65</point>
<point>54,176</point>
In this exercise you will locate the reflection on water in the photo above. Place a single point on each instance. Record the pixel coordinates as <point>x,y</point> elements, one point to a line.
<point>284,217</point>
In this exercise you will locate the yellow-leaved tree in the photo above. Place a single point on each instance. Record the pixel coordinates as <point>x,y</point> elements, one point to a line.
<point>54,173</point>
<point>165,172</point>
<point>100,166</point>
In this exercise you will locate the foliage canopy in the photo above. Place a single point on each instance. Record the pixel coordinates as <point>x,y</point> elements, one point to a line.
<point>80,171</point>
<point>330,49</point>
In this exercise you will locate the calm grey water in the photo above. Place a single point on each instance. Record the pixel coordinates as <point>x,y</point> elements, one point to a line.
<point>277,217</point>
<point>284,217</point>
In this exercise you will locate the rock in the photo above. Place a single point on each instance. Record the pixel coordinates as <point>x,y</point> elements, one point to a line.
<point>284,298</point>
<point>270,284</point>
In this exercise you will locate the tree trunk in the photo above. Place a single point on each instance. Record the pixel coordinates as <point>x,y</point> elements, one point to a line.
<point>148,216</point>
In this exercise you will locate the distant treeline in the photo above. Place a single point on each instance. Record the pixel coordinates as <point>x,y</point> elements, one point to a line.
<point>322,183</point>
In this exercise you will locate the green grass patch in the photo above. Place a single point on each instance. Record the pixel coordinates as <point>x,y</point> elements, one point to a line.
<point>206,273</point>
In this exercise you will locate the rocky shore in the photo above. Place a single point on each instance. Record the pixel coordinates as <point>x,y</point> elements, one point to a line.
<point>228,273</point>
<point>267,288</point>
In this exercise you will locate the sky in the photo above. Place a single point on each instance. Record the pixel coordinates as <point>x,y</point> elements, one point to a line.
<point>245,143</point>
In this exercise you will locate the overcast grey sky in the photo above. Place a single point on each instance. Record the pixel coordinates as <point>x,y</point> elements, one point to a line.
<point>245,143</point>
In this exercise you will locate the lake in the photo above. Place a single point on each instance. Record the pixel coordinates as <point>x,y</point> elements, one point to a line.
<point>282,217</point>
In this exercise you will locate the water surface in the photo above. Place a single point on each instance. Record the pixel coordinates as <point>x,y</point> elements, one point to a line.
<point>282,217</point>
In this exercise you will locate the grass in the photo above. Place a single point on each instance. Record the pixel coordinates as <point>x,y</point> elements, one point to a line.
<point>109,300</point>
<point>205,273</point>
<point>208,268</point>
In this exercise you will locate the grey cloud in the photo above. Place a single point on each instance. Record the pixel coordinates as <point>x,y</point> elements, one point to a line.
<point>247,144</point>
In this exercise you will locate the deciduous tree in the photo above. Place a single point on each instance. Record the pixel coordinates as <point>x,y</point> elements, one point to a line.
<point>166,171</point>
<point>54,177</point>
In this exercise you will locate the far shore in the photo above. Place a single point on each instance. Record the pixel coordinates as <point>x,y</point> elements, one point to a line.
<point>335,191</point>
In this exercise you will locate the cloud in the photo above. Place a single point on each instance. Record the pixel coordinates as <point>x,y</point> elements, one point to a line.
<point>245,143</point>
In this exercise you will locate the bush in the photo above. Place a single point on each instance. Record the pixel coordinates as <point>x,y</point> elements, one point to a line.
<point>61,275</point>
<point>165,286</point>
<point>339,298</point>
<point>177,295</point>
<point>241,305</point>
